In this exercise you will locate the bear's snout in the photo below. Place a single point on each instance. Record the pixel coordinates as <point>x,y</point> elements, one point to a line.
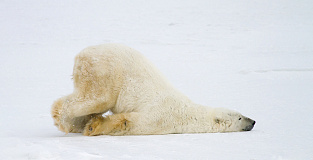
<point>250,126</point>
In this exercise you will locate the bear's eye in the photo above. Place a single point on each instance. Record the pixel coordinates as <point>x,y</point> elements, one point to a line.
<point>239,119</point>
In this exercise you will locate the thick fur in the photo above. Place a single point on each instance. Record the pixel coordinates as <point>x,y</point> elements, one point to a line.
<point>117,78</point>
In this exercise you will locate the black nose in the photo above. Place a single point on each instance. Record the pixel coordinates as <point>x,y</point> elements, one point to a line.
<point>253,123</point>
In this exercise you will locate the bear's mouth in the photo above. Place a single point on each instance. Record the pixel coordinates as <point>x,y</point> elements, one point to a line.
<point>249,127</point>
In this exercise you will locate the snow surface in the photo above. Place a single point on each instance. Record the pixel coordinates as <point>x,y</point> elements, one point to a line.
<point>255,57</point>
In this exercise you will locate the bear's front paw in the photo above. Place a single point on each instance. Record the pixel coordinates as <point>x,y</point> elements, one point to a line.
<point>94,126</point>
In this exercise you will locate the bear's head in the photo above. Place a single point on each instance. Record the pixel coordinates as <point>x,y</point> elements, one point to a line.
<point>230,121</point>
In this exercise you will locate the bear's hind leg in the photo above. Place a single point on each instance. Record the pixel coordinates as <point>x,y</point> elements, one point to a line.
<point>117,124</point>
<point>72,116</point>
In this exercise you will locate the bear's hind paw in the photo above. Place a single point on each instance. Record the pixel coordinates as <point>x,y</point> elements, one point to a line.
<point>93,127</point>
<point>111,125</point>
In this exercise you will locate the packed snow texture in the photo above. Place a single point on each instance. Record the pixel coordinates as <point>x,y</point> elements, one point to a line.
<point>255,57</point>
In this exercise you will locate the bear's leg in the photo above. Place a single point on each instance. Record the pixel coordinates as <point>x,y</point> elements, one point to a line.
<point>117,124</point>
<point>71,116</point>
<point>74,125</point>
<point>56,112</point>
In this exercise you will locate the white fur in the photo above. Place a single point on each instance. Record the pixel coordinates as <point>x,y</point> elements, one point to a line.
<point>117,78</point>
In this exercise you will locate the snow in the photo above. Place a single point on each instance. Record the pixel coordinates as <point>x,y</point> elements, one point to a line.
<point>255,57</point>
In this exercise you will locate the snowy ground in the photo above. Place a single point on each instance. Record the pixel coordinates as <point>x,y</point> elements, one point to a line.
<point>255,57</point>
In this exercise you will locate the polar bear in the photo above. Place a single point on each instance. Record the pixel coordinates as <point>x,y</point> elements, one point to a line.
<point>116,78</point>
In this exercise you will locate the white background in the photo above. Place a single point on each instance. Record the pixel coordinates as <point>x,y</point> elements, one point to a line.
<point>255,57</point>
